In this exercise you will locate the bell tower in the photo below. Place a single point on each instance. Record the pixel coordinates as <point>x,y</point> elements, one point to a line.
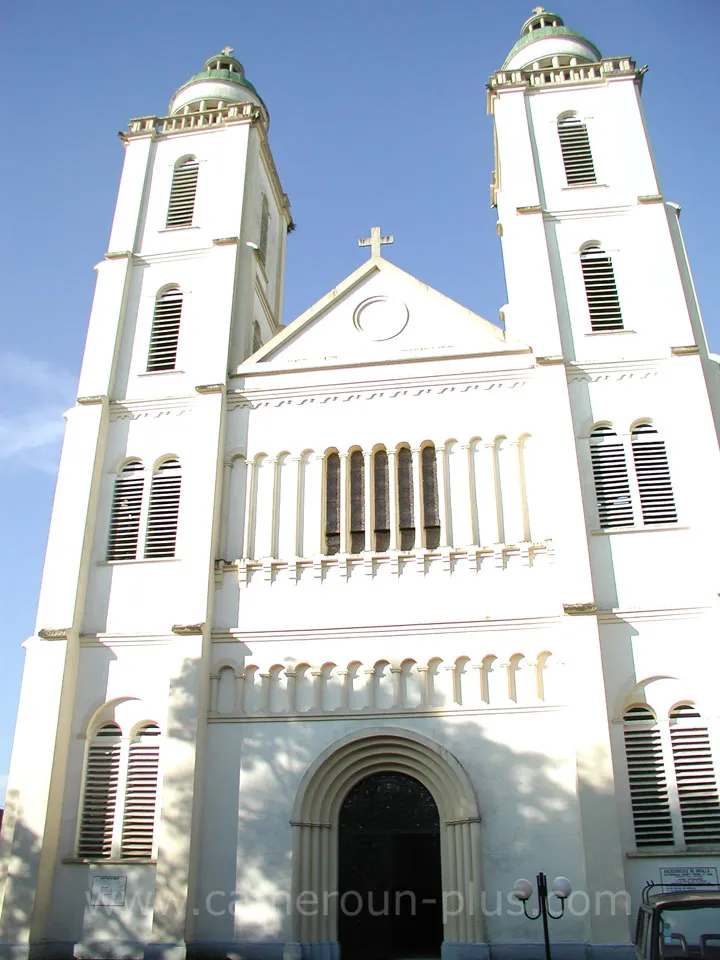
<point>593,256</point>
<point>191,284</point>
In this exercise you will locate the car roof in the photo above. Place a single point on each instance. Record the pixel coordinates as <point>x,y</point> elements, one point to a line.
<point>684,898</point>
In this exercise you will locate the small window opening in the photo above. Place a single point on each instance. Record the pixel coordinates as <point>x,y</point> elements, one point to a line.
<point>576,152</point>
<point>125,513</point>
<point>164,511</point>
<point>653,476</point>
<point>332,504</point>
<point>357,502</point>
<point>431,510</point>
<point>406,499</point>
<point>182,194</point>
<point>601,290</point>
<point>165,332</point>
<point>382,501</point>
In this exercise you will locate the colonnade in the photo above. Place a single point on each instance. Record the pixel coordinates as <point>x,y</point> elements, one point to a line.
<point>276,506</point>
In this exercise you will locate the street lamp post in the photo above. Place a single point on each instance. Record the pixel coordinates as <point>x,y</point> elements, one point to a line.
<point>561,889</point>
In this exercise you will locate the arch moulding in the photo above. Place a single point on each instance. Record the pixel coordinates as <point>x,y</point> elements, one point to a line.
<point>316,815</point>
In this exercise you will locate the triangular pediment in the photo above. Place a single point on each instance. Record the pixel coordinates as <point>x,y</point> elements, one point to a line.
<point>380,314</point>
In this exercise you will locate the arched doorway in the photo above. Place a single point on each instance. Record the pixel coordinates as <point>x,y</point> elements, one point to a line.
<point>390,882</point>
<point>316,832</point>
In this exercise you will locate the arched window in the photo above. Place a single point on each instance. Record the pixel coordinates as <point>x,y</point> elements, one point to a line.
<point>653,476</point>
<point>332,504</point>
<point>165,331</point>
<point>648,782</point>
<point>357,502</point>
<point>141,784</point>
<point>695,776</point>
<point>100,796</point>
<point>125,514</point>
<point>405,499</point>
<point>576,153</point>
<point>381,501</point>
<point>431,510</point>
<point>164,511</point>
<point>264,229</point>
<point>612,484</point>
<point>182,193</point>
<point>601,290</point>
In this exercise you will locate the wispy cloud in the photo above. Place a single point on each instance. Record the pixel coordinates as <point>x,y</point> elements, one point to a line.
<point>33,395</point>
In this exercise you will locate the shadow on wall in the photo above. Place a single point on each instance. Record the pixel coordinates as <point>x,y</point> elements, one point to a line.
<point>254,771</point>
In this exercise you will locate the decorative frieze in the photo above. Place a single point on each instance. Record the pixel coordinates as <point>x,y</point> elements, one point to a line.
<point>385,685</point>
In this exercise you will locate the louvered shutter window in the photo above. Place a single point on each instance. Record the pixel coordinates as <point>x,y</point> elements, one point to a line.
<point>182,194</point>
<point>653,476</point>
<point>612,484</point>
<point>431,510</point>
<point>164,511</point>
<point>382,501</point>
<point>165,331</point>
<point>357,501</point>
<point>125,514</point>
<point>405,498</point>
<point>648,783</point>
<point>264,229</point>
<point>576,153</point>
<point>332,504</point>
<point>100,797</point>
<point>141,794</point>
<point>695,777</point>
<point>601,290</point>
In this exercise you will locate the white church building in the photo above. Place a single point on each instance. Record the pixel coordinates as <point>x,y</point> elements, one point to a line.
<point>347,625</point>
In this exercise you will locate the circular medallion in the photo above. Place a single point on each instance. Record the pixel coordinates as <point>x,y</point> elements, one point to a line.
<point>381,318</point>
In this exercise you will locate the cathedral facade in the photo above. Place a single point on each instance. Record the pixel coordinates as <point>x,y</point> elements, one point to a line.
<point>347,625</point>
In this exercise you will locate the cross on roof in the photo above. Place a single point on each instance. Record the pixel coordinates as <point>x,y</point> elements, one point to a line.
<point>374,241</point>
<point>538,9</point>
<point>227,51</point>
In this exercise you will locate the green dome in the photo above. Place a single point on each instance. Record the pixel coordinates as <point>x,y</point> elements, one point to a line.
<point>544,24</point>
<point>221,68</point>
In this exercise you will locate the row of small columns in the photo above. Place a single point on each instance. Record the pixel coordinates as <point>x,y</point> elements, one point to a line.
<point>502,503</point>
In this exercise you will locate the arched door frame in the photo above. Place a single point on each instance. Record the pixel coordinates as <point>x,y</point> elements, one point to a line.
<point>316,815</point>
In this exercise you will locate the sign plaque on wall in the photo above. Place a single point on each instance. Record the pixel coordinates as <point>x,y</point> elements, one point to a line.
<point>680,878</point>
<point>108,891</point>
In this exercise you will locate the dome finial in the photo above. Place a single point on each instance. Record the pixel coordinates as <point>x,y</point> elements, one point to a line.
<point>545,41</point>
<point>227,51</point>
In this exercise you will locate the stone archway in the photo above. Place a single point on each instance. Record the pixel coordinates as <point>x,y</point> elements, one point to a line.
<point>315,831</point>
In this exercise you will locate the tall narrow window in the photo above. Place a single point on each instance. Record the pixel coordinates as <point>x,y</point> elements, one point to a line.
<point>648,782</point>
<point>405,499</point>
<point>182,193</point>
<point>612,484</point>
<point>695,776</point>
<point>165,331</point>
<point>141,794</point>
<point>125,515</point>
<point>653,476</point>
<point>576,153</point>
<point>357,502</point>
<point>431,510</point>
<point>332,503</point>
<point>382,501</point>
<point>264,229</point>
<point>164,511</point>
<point>257,337</point>
<point>601,290</point>
<point>100,796</point>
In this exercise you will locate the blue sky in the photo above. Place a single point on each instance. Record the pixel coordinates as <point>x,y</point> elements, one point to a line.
<point>378,117</point>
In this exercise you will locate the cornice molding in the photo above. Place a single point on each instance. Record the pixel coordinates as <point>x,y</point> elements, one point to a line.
<point>590,372</point>
<point>90,400</point>
<point>379,389</point>
<point>210,388</point>
<point>226,241</point>
<point>690,351</point>
<point>579,609</point>
<point>188,630</point>
<point>557,216</point>
<point>118,254</point>
<point>386,631</point>
<point>549,361</point>
<point>652,198</point>
<point>150,409</point>
<point>616,616</point>
<point>54,633</point>
<point>535,208</point>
